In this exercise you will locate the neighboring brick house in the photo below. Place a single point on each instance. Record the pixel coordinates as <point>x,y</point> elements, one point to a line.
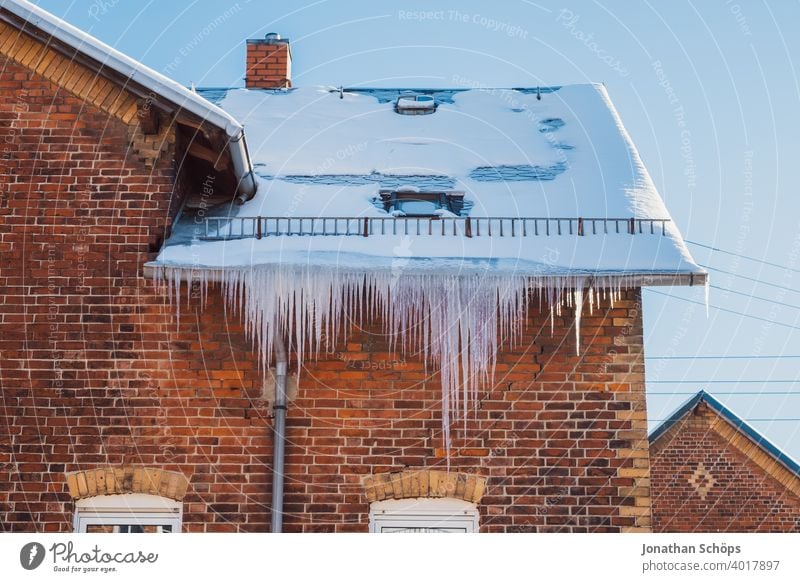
<point>129,408</point>
<point>712,472</point>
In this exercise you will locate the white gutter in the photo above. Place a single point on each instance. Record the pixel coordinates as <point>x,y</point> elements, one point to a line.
<point>188,273</point>
<point>242,168</point>
<point>158,84</point>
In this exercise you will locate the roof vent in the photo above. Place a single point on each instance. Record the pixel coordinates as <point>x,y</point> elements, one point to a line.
<point>272,36</point>
<point>415,104</point>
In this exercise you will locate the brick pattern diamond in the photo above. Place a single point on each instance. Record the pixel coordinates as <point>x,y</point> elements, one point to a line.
<point>702,480</point>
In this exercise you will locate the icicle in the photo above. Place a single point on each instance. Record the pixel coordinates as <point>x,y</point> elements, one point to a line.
<point>175,283</point>
<point>578,293</point>
<point>457,323</point>
<point>706,293</point>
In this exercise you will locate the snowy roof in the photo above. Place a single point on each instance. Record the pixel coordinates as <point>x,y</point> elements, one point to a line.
<point>130,68</point>
<point>554,152</point>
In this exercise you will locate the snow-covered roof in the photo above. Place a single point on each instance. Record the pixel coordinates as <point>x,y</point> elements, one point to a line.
<point>123,64</point>
<point>555,152</point>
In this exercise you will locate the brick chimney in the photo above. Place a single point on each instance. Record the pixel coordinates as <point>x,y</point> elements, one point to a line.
<point>269,63</point>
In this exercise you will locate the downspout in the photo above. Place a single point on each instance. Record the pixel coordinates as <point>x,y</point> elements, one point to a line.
<point>242,167</point>
<point>279,434</point>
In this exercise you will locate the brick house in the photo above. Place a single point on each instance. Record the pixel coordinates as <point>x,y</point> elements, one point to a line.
<point>712,472</point>
<point>393,310</point>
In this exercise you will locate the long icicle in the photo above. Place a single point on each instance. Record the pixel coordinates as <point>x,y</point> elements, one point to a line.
<point>453,321</point>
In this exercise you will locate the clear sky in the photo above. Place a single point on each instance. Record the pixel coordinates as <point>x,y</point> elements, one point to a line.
<point>709,91</point>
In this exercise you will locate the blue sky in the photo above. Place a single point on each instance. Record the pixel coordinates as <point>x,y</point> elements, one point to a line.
<point>708,90</point>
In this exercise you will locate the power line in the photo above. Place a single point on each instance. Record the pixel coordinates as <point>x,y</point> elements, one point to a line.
<point>772,419</point>
<point>737,357</point>
<point>751,279</point>
<point>718,250</point>
<point>751,296</point>
<point>778,323</point>
<point>744,419</point>
<point>742,393</point>
<point>797,381</point>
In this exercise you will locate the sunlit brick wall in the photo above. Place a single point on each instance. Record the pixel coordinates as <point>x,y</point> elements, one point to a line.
<point>98,371</point>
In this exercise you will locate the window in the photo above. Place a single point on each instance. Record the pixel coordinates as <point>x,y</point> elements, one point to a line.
<point>128,513</point>
<point>442,515</point>
<point>411,207</point>
<point>413,202</point>
<point>415,104</point>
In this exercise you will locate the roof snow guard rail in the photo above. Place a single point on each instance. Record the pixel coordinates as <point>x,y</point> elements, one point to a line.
<point>227,228</point>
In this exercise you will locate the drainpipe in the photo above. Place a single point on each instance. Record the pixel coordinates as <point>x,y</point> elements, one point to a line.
<point>242,168</point>
<point>279,434</point>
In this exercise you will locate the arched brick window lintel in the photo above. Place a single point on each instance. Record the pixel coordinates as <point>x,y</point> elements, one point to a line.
<point>424,483</point>
<point>129,479</point>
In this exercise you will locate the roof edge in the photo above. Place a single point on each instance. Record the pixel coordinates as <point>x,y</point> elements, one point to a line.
<point>134,70</point>
<point>631,279</point>
<point>141,75</point>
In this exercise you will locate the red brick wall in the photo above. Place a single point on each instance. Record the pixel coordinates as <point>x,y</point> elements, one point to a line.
<point>96,371</point>
<point>743,497</point>
<point>555,436</point>
<point>268,65</point>
<point>92,366</point>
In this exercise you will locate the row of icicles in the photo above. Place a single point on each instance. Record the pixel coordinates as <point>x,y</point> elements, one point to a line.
<point>455,322</point>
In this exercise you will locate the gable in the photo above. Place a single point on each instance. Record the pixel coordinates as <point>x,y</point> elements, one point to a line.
<point>704,414</point>
<point>705,479</point>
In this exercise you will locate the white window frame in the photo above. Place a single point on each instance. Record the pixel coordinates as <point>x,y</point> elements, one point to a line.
<point>127,509</point>
<point>430,514</point>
